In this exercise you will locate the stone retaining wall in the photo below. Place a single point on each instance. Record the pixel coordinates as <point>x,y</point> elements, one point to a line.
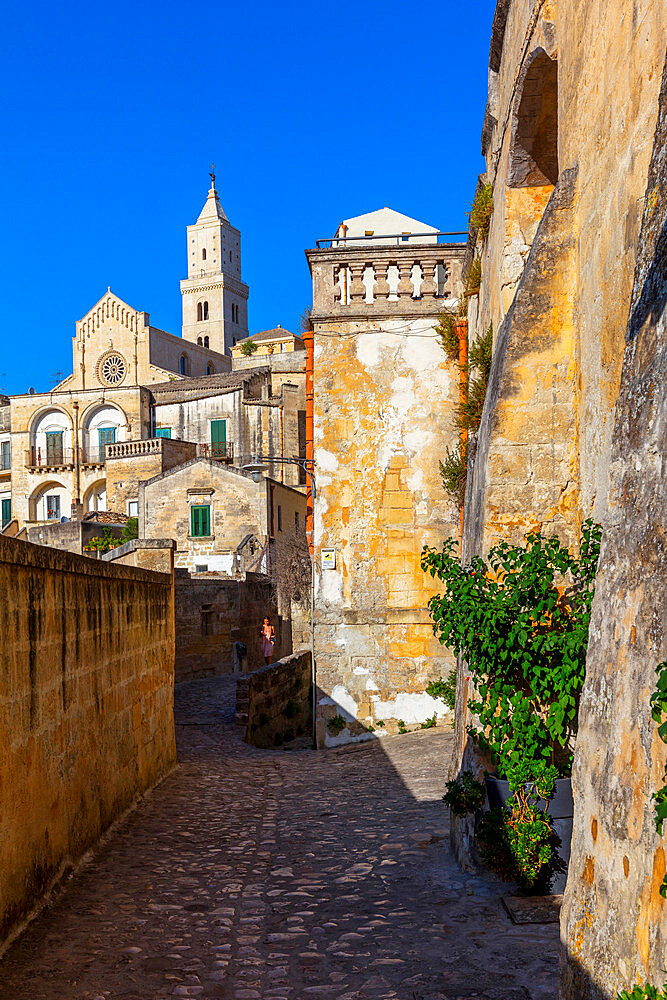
<point>86,708</point>
<point>274,702</point>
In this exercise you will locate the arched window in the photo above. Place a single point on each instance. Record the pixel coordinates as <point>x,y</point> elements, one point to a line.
<point>205,309</point>
<point>205,341</point>
<point>184,364</point>
<point>203,254</point>
<point>209,370</point>
<point>199,341</point>
<point>199,312</point>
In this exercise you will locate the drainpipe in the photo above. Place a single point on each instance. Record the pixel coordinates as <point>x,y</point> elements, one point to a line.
<point>309,341</point>
<point>461,331</point>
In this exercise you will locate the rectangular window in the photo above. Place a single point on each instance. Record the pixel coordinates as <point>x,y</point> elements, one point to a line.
<point>54,447</point>
<point>219,438</point>
<point>53,508</point>
<point>296,520</point>
<point>200,520</point>
<point>163,432</point>
<point>6,511</point>
<point>106,435</point>
<point>5,455</point>
<point>280,518</point>
<point>133,508</point>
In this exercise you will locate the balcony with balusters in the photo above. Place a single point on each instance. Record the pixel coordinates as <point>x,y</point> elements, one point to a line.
<point>359,281</point>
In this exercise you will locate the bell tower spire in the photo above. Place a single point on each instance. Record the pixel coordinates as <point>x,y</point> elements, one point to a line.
<point>215,299</point>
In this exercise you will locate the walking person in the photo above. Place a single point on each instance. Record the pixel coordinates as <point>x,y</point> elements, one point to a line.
<point>267,638</point>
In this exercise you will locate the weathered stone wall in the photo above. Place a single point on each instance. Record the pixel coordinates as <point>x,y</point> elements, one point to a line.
<point>156,554</point>
<point>212,614</point>
<point>275,701</point>
<point>86,720</point>
<point>385,403</point>
<point>614,921</point>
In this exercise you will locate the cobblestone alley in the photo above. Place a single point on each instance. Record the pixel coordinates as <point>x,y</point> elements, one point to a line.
<point>261,874</point>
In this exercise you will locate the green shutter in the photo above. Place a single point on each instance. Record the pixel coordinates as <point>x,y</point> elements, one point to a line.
<point>200,520</point>
<point>6,512</point>
<point>219,438</point>
<point>163,432</point>
<point>54,447</point>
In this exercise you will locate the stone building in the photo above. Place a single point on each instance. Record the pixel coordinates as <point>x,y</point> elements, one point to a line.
<point>572,420</point>
<point>274,341</point>
<point>87,444</point>
<point>384,400</point>
<point>221,519</point>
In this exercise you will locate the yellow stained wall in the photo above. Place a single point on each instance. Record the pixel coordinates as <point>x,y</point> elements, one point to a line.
<point>86,718</point>
<point>383,417</point>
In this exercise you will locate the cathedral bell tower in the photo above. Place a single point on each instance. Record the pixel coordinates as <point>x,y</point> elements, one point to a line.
<point>215,299</point>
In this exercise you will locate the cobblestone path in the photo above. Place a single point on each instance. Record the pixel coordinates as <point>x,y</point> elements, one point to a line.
<point>259,874</point>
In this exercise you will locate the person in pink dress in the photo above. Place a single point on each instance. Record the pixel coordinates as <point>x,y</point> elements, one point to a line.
<point>267,638</point>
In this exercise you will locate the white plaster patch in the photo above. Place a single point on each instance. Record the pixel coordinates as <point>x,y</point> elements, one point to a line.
<point>331,586</point>
<point>368,351</point>
<point>410,707</point>
<point>422,353</point>
<point>415,479</point>
<point>360,670</point>
<point>371,685</point>
<point>345,701</point>
<point>325,460</point>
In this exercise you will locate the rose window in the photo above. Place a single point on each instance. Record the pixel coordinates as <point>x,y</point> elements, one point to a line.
<point>111,369</point>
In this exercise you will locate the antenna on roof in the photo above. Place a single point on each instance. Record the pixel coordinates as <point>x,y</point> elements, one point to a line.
<point>57,377</point>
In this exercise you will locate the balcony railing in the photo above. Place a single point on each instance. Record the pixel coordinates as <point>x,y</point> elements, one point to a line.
<point>56,458</point>
<point>391,239</point>
<point>220,451</point>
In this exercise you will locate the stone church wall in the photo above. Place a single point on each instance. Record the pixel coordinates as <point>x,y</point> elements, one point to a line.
<point>86,718</point>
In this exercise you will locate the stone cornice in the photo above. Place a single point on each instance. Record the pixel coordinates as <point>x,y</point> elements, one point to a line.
<point>211,283</point>
<point>368,253</point>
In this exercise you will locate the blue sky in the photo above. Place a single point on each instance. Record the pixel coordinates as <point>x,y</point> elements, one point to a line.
<point>111,115</point>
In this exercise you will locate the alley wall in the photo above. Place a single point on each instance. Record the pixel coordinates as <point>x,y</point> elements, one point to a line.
<point>86,708</point>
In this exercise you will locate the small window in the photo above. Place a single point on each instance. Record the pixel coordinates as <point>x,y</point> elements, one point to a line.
<point>53,508</point>
<point>203,568</point>
<point>296,520</point>
<point>163,432</point>
<point>5,455</point>
<point>6,511</point>
<point>199,341</point>
<point>200,520</point>
<point>230,254</point>
<point>280,518</point>
<point>205,341</point>
<point>209,370</point>
<point>133,508</point>
<point>369,232</point>
<point>200,313</point>
<point>203,254</point>
<point>205,309</point>
<point>183,364</point>
<point>405,237</point>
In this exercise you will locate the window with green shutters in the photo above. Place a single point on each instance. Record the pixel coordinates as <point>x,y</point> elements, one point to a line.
<point>219,438</point>
<point>200,520</point>
<point>6,511</point>
<point>163,432</point>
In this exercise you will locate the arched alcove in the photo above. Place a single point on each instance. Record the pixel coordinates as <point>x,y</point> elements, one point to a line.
<point>534,144</point>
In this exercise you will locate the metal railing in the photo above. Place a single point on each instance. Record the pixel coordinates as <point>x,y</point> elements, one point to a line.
<point>220,451</point>
<point>390,239</point>
<point>56,458</point>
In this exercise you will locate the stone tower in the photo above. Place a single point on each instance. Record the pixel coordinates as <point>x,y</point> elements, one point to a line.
<point>215,299</point>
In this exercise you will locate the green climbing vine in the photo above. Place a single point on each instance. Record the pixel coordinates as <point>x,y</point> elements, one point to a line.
<point>658,710</point>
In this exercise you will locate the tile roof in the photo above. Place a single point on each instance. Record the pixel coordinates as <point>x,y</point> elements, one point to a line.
<point>205,385</point>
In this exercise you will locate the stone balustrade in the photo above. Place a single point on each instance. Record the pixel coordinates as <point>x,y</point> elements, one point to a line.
<point>365,281</point>
<point>130,449</point>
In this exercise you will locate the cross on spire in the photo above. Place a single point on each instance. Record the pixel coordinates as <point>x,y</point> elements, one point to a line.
<point>212,175</point>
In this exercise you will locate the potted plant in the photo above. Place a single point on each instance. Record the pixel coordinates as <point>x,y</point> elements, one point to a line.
<point>520,621</point>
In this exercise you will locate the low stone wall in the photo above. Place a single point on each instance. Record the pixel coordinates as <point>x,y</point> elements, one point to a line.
<point>213,613</point>
<point>275,701</point>
<point>145,553</point>
<point>86,708</point>
<point>71,535</point>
